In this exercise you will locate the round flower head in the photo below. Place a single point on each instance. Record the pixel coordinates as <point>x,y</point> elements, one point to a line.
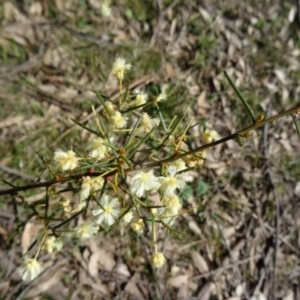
<point>65,204</point>
<point>172,205</point>
<point>31,269</point>
<point>162,96</point>
<point>137,226</point>
<point>110,211</point>
<point>52,244</point>
<point>97,183</point>
<point>154,212</point>
<point>143,181</point>
<point>120,67</point>
<point>147,123</point>
<point>97,149</point>
<point>198,159</point>
<point>170,183</point>
<point>209,136</point>
<point>140,98</point>
<point>66,160</point>
<point>128,217</point>
<point>86,230</point>
<point>178,164</point>
<point>157,260</point>
<point>118,121</point>
<point>85,188</point>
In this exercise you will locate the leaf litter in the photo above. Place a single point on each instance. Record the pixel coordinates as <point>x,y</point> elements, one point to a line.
<point>52,60</point>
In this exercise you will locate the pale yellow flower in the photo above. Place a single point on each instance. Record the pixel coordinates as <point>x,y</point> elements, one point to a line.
<point>31,269</point>
<point>128,217</point>
<point>66,161</point>
<point>120,67</point>
<point>66,204</point>
<point>154,212</point>
<point>193,160</point>
<point>157,260</point>
<point>209,136</point>
<point>148,123</point>
<point>86,230</point>
<point>162,96</point>
<point>110,211</point>
<point>97,183</point>
<point>143,181</point>
<point>118,121</point>
<point>179,165</point>
<point>140,98</point>
<point>172,205</point>
<point>52,244</point>
<point>85,188</point>
<point>171,182</point>
<point>97,149</point>
<point>90,185</point>
<point>137,226</point>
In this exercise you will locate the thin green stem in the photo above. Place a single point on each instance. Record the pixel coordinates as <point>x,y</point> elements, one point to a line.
<point>100,98</point>
<point>244,101</point>
<point>297,125</point>
<point>153,234</point>
<point>120,90</point>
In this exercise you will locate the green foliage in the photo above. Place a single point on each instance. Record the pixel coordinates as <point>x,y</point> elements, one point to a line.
<point>201,188</point>
<point>186,193</point>
<point>289,167</point>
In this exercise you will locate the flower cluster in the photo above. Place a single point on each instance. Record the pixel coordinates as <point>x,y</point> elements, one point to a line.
<point>111,188</point>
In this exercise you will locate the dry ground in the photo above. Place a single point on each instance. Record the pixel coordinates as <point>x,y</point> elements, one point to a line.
<point>240,238</point>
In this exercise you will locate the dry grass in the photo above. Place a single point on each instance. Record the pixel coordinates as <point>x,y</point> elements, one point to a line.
<point>240,232</point>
